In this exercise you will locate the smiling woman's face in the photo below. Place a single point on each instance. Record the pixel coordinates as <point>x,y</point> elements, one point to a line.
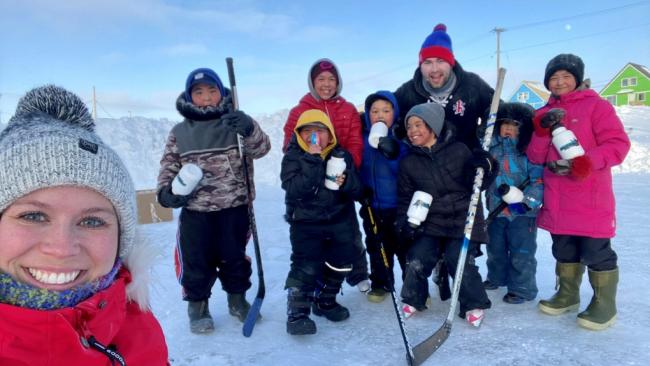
<point>58,238</point>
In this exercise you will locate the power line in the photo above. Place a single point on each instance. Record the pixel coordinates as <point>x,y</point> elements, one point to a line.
<point>588,14</point>
<point>105,111</point>
<point>578,37</point>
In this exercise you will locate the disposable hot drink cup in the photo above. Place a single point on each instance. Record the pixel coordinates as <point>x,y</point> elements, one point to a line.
<point>377,131</point>
<point>187,179</point>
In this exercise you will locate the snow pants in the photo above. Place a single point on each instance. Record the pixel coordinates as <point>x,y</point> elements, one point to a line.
<point>313,244</point>
<point>595,253</point>
<point>421,259</point>
<point>212,245</point>
<point>380,277</point>
<point>511,255</point>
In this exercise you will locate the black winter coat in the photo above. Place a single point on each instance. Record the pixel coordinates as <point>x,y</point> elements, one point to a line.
<point>468,101</point>
<point>307,199</point>
<point>445,173</point>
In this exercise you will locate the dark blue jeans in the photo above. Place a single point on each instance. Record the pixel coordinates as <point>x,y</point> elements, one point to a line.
<point>511,255</point>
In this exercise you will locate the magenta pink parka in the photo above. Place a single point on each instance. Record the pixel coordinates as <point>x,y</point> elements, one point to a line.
<point>582,207</point>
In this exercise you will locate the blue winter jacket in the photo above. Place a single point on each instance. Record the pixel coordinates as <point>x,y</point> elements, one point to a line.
<point>377,172</point>
<point>514,168</point>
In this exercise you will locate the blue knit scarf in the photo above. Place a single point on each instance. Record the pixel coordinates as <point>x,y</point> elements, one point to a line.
<point>23,295</point>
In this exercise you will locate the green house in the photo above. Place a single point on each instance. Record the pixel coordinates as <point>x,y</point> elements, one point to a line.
<point>631,86</point>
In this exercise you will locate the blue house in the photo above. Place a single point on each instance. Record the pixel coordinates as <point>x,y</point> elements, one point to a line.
<point>530,92</point>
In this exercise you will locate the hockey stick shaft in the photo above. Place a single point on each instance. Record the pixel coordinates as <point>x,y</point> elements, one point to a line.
<point>393,294</point>
<point>427,347</point>
<point>253,313</point>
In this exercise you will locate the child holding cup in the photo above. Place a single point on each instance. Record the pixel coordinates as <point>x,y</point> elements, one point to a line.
<point>381,155</point>
<point>444,169</point>
<point>321,221</point>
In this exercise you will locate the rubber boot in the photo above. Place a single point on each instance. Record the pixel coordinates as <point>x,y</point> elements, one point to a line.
<point>601,312</point>
<point>238,306</point>
<point>325,304</point>
<point>298,303</point>
<point>567,297</point>
<point>200,320</point>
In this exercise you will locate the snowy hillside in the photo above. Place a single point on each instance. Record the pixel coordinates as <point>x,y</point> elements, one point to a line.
<point>140,142</point>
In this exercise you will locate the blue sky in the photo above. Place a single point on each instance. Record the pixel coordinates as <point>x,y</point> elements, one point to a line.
<point>138,53</point>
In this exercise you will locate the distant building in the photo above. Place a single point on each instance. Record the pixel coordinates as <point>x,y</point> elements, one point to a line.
<point>532,93</point>
<point>631,86</point>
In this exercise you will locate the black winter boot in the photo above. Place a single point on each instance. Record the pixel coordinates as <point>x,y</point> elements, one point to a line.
<point>200,320</point>
<point>325,304</point>
<point>298,302</point>
<point>238,306</point>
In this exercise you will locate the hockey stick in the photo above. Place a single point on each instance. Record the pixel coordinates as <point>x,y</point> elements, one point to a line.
<point>393,295</point>
<point>254,311</point>
<point>427,347</point>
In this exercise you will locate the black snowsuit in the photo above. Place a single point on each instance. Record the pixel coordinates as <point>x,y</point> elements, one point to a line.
<point>445,172</point>
<point>321,220</point>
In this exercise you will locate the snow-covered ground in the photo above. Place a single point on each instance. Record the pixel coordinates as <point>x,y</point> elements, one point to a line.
<point>510,334</point>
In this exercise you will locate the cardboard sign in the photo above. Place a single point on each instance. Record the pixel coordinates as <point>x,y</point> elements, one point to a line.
<point>149,210</point>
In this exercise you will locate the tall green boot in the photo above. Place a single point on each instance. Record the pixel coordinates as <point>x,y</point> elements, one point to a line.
<point>601,312</point>
<point>567,297</point>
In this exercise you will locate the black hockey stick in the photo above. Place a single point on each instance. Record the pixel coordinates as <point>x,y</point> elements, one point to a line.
<point>393,295</point>
<point>254,311</point>
<point>427,347</point>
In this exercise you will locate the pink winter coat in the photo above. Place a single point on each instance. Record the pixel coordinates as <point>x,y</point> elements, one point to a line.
<point>582,207</point>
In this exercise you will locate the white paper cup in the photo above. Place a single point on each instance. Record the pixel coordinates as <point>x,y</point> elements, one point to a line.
<point>377,131</point>
<point>187,179</point>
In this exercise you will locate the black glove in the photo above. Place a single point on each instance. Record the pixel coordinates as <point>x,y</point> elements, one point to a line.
<point>408,232</point>
<point>483,159</point>
<point>389,147</point>
<point>367,195</point>
<point>240,122</point>
<point>552,117</point>
<point>167,199</point>
<point>560,167</point>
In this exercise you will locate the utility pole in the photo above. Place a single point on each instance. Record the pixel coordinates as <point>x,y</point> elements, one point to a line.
<point>94,104</point>
<point>498,32</point>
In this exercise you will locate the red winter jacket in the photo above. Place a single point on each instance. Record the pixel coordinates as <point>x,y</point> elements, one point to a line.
<point>54,338</point>
<point>344,117</point>
<point>582,207</point>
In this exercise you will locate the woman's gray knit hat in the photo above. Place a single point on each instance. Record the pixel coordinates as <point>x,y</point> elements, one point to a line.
<point>50,142</point>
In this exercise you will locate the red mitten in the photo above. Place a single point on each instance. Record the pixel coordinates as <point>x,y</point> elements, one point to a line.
<point>580,167</point>
<point>539,130</point>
